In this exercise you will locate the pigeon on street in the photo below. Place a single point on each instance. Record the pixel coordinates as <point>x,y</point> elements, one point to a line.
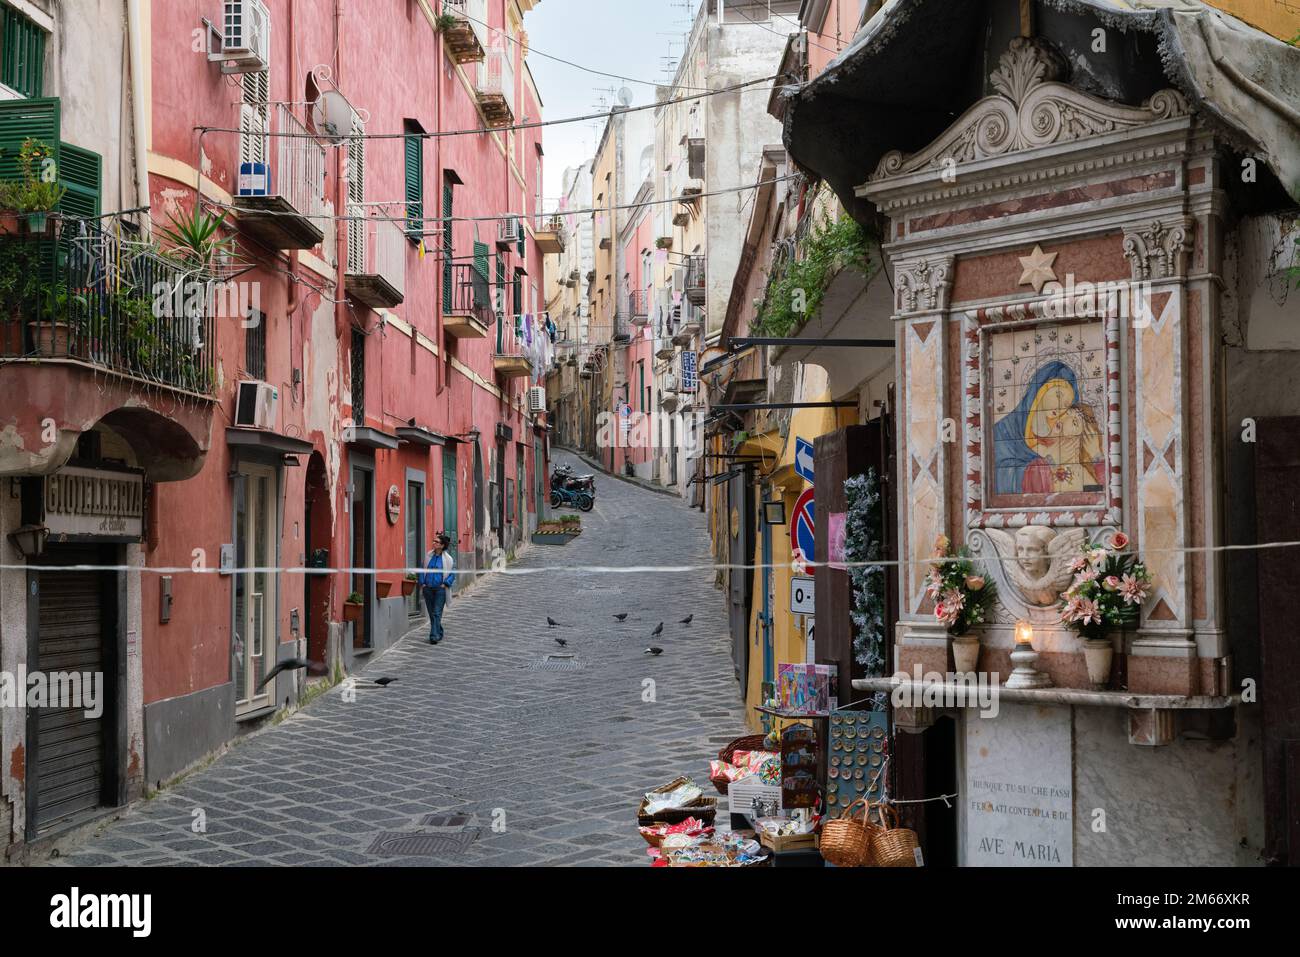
<point>622,617</point>
<point>561,642</point>
<point>659,630</point>
<point>293,664</point>
<point>551,622</point>
<point>654,651</point>
<point>687,620</point>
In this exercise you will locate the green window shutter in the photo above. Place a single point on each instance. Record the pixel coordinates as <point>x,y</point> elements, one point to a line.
<point>519,296</point>
<point>414,186</point>
<point>481,258</point>
<point>80,172</point>
<point>22,65</point>
<point>523,235</point>
<point>19,119</point>
<point>448,195</point>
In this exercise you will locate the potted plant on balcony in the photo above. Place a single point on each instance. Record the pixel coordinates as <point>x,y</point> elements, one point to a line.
<point>19,288</point>
<point>196,240</point>
<point>408,585</point>
<point>962,597</point>
<point>32,199</point>
<point>1109,587</point>
<point>61,322</point>
<point>383,588</point>
<point>352,607</point>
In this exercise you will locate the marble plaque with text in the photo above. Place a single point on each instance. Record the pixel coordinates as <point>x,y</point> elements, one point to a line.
<point>1018,805</point>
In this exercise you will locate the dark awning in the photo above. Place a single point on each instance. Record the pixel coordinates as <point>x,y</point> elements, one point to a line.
<point>368,438</point>
<point>264,441</point>
<point>415,435</point>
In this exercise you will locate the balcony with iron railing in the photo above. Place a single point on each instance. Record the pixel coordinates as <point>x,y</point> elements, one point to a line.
<point>495,87</point>
<point>637,311</point>
<point>467,303</point>
<point>110,305</point>
<point>466,29</point>
<point>281,187</point>
<point>550,234</point>
<point>376,264</point>
<point>509,360</point>
<point>696,286</point>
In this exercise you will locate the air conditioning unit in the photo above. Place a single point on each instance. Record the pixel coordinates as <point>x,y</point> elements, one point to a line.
<point>255,404</point>
<point>537,399</point>
<point>670,383</point>
<point>245,36</point>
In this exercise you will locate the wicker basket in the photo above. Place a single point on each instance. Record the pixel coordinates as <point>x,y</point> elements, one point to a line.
<point>748,742</point>
<point>891,845</point>
<point>847,840</point>
<point>702,808</point>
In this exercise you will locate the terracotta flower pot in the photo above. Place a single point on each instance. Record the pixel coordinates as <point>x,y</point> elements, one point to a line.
<point>1098,653</point>
<point>352,611</point>
<point>408,587</point>
<point>9,223</point>
<point>382,588</point>
<point>965,653</point>
<point>51,338</point>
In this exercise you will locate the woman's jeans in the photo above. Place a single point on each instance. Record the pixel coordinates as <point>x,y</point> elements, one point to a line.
<point>435,599</point>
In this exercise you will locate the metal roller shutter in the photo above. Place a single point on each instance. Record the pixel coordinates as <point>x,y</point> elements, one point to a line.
<point>70,747</point>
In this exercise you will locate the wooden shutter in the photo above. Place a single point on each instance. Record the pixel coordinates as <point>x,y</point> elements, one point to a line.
<point>22,65</point>
<point>20,119</point>
<point>523,235</point>
<point>80,171</point>
<point>448,195</point>
<point>356,200</point>
<point>255,118</point>
<point>414,185</point>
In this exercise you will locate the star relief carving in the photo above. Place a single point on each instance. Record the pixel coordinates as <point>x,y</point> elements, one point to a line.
<point>1037,269</point>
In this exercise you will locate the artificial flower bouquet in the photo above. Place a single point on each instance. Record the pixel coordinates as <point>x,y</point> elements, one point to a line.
<point>962,596</point>
<point>1109,587</point>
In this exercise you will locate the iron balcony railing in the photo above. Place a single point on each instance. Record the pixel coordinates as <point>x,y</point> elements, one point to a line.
<point>113,303</point>
<point>472,11</point>
<point>377,247</point>
<point>299,174</point>
<point>470,294</point>
<point>695,280</point>
<point>637,309</point>
<point>496,76</point>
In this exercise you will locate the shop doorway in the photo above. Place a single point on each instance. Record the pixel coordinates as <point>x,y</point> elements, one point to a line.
<point>254,633</point>
<point>740,548</point>
<point>74,762</point>
<point>415,539</point>
<point>450,501</point>
<point>362,554</point>
<point>316,587</point>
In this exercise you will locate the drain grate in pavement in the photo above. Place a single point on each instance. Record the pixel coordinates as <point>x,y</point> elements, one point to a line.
<point>557,663</point>
<point>445,820</point>
<point>406,844</point>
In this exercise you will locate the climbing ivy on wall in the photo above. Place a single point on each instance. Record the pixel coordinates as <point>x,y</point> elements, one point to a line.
<point>796,287</point>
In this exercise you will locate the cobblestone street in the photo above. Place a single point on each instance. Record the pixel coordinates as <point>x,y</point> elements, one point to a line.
<point>476,726</point>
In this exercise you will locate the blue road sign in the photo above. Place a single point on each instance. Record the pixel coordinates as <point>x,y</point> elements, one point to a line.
<point>803,458</point>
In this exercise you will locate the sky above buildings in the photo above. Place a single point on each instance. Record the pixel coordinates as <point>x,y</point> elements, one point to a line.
<point>627,38</point>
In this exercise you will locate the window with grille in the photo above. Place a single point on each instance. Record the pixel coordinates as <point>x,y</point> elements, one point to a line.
<point>356,200</point>
<point>358,378</point>
<point>255,345</point>
<point>22,53</point>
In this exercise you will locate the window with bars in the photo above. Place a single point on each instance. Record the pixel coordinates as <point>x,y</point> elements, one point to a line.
<point>255,345</point>
<point>22,53</point>
<point>358,378</point>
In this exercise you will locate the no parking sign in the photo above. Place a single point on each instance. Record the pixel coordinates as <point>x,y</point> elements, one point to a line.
<point>802,536</point>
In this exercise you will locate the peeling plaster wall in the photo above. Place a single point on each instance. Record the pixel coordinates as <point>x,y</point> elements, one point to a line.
<point>13,655</point>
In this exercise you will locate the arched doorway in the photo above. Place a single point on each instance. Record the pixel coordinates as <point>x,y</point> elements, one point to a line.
<point>316,597</point>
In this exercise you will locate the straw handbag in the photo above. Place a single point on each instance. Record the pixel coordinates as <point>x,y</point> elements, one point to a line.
<point>847,840</point>
<point>891,845</point>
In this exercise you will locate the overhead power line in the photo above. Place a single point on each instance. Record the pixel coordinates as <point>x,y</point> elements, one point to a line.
<point>479,131</point>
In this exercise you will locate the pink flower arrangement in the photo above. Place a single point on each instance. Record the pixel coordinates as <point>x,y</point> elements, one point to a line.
<point>961,595</point>
<point>1108,589</point>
